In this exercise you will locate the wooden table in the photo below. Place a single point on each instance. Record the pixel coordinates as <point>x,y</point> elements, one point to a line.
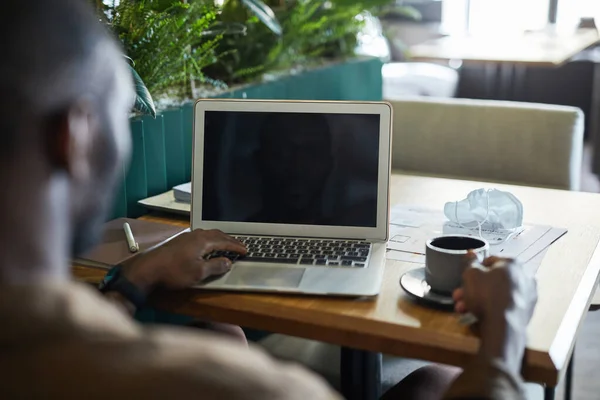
<point>533,48</point>
<point>505,58</point>
<point>393,324</point>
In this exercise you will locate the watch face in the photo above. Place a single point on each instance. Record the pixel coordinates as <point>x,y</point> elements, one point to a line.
<point>104,282</point>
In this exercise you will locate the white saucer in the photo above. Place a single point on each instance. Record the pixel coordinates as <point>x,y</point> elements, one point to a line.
<point>413,283</point>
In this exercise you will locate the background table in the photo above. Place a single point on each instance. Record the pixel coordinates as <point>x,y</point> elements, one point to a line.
<point>393,324</point>
<point>533,48</point>
<point>505,58</point>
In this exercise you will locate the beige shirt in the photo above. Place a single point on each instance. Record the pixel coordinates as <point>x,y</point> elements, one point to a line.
<point>64,341</point>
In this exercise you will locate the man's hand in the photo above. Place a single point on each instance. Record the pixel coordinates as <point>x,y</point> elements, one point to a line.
<point>181,263</point>
<point>503,298</point>
<point>503,286</point>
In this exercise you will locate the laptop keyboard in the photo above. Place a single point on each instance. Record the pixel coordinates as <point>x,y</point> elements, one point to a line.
<point>319,252</point>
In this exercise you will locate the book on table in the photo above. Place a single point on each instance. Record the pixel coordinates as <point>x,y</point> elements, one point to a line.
<point>113,249</point>
<point>183,192</point>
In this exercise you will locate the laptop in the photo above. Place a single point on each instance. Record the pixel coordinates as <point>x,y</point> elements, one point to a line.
<point>304,184</point>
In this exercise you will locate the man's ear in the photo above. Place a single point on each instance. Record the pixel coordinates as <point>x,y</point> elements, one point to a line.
<point>72,139</point>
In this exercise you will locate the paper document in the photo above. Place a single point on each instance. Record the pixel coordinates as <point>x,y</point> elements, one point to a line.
<point>414,216</point>
<point>411,227</point>
<point>404,256</point>
<point>533,264</point>
<point>166,202</point>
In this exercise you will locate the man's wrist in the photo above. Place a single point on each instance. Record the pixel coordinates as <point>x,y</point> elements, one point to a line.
<point>142,272</point>
<point>504,339</point>
<point>116,282</point>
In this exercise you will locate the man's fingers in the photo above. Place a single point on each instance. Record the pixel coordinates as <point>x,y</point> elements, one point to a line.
<point>216,266</point>
<point>458,294</point>
<point>471,276</point>
<point>225,245</point>
<point>219,235</point>
<point>490,261</point>
<point>215,240</point>
<point>460,307</point>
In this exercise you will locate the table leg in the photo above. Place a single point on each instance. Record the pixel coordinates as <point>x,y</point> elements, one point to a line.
<point>518,83</point>
<point>360,373</point>
<point>549,392</point>
<point>569,378</point>
<point>594,130</point>
<point>490,81</point>
<point>505,82</point>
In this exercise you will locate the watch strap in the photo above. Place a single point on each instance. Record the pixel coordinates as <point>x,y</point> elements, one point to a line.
<point>114,281</point>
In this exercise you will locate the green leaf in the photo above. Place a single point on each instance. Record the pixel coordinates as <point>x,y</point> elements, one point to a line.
<point>225,28</point>
<point>362,3</point>
<point>143,100</point>
<point>265,14</point>
<point>407,12</point>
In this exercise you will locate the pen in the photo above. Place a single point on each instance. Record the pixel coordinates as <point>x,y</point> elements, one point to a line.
<point>131,243</point>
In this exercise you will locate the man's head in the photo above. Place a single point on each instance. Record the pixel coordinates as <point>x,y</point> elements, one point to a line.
<point>295,158</point>
<point>65,94</point>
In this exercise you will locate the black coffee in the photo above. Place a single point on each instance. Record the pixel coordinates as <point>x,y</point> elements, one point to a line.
<point>457,243</point>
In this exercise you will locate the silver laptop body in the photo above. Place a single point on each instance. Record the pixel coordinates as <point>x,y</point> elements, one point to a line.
<point>304,184</point>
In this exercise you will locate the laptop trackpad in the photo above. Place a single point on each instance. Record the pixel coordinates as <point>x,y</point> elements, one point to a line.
<point>265,276</point>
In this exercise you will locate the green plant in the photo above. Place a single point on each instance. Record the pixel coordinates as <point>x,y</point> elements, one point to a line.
<point>399,10</point>
<point>177,45</point>
<point>392,17</point>
<point>245,55</point>
<point>264,13</point>
<point>317,29</point>
<point>144,104</point>
<point>312,31</point>
<point>172,42</point>
<point>168,42</point>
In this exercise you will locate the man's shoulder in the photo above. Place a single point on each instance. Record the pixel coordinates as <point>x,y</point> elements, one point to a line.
<point>59,310</point>
<point>164,363</point>
<point>102,350</point>
<point>221,367</point>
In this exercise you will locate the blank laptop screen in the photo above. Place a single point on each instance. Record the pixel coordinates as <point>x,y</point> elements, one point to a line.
<point>291,168</point>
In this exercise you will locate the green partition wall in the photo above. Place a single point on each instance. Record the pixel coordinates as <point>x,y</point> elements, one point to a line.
<point>162,147</point>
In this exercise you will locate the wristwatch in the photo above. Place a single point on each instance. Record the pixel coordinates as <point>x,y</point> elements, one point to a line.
<point>114,281</point>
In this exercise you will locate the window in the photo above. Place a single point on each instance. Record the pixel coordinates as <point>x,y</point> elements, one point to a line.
<point>571,11</point>
<point>454,16</point>
<point>506,16</point>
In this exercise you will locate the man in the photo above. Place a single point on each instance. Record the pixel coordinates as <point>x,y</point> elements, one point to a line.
<point>66,93</point>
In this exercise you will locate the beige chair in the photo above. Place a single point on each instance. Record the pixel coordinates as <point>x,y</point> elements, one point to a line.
<point>519,143</point>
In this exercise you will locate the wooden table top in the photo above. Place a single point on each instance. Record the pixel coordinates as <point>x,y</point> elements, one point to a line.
<point>393,324</point>
<point>534,48</point>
